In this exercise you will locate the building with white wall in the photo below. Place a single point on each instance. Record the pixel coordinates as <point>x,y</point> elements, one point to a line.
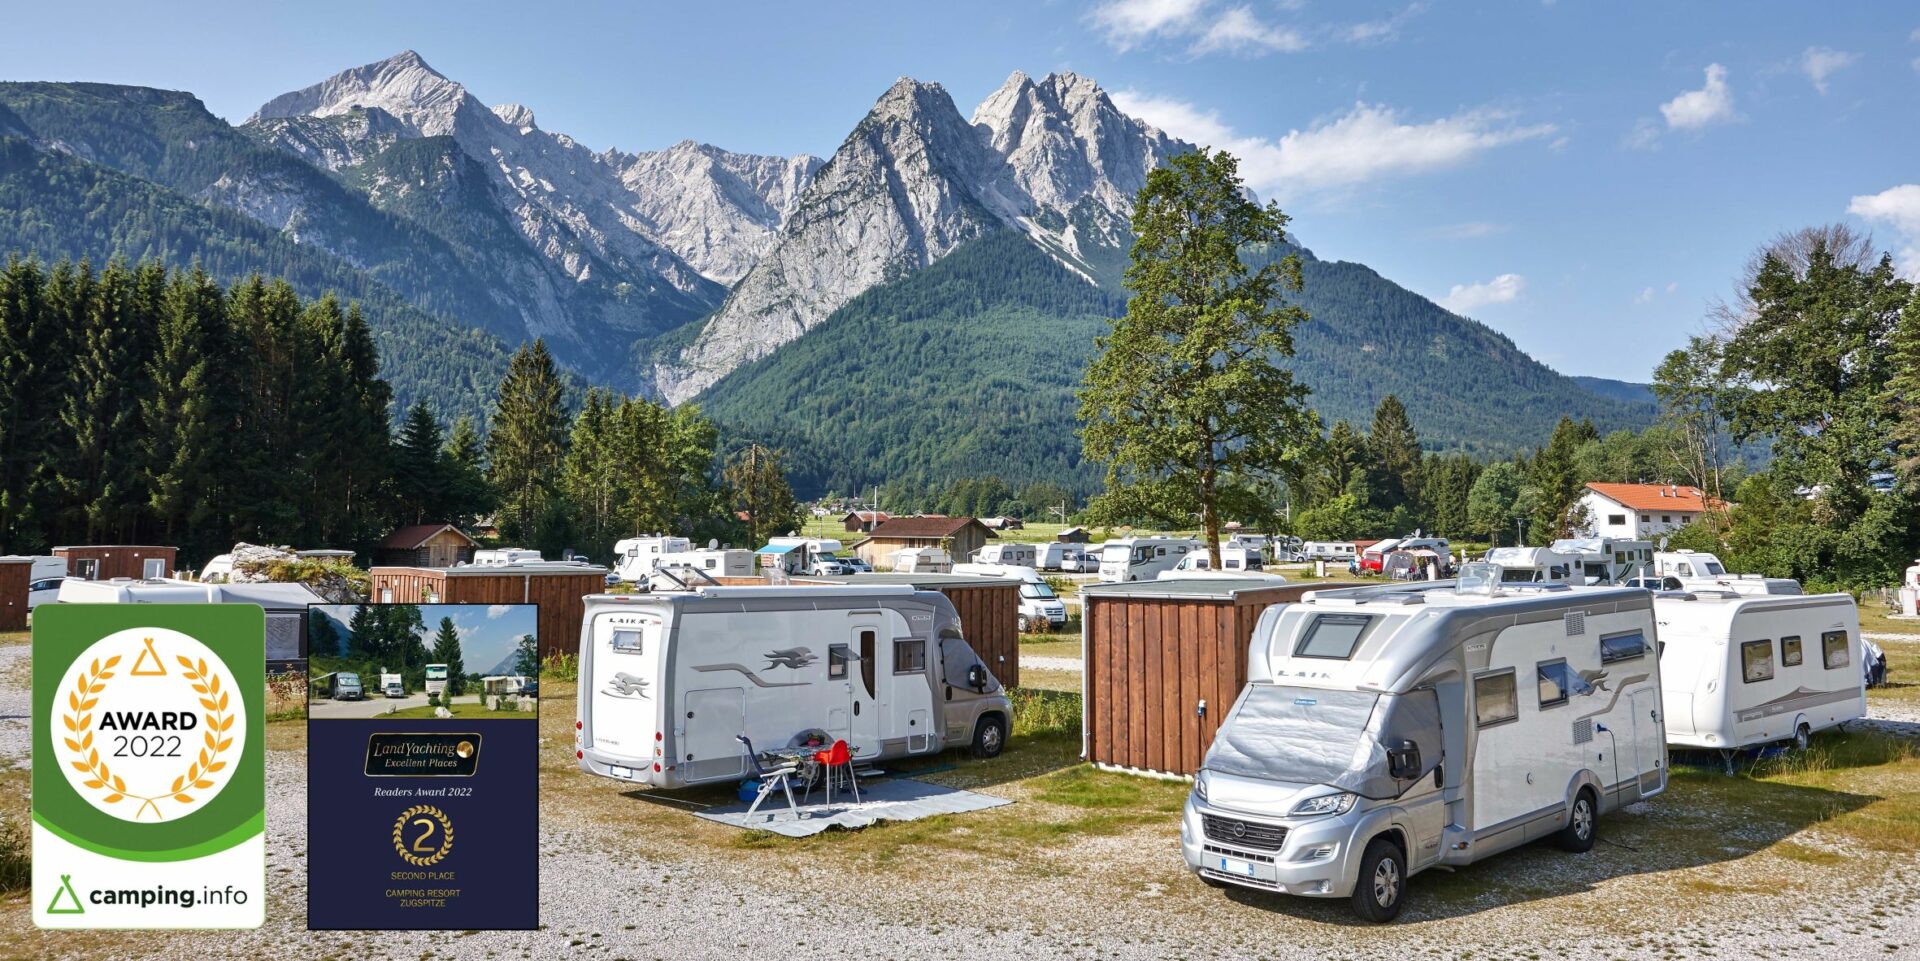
<point>1641,511</point>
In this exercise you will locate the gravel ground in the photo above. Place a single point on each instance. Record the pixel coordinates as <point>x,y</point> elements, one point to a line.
<point>16,731</point>
<point>1036,662</point>
<point>1121,896</point>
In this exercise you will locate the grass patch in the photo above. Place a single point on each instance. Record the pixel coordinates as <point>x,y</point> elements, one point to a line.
<point>1042,711</point>
<point>1088,787</point>
<point>15,866</point>
<point>11,638</point>
<point>1050,680</point>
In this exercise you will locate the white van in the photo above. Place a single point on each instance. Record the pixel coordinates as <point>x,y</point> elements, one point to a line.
<point>1233,559</point>
<point>1387,730</point>
<point>1329,550</point>
<point>1142,558</point>
<point>1536,565</point>
<point>505,557</point>
<point>635,557</point>
<point>669,682</point>
<point>43,580</point>
<point>1740,670</point>
<point>1021,555</point>
<point>1038,602</point>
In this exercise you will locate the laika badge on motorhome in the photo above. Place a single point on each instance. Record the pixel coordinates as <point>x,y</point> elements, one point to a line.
<point>669,682</point>
<point>1747,669</point>
<point>1387,730</point>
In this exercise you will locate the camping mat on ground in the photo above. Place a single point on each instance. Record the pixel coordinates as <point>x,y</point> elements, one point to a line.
<point>895,799</point>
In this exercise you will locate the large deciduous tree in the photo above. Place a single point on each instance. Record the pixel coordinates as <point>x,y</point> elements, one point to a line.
<point>1185,397</point>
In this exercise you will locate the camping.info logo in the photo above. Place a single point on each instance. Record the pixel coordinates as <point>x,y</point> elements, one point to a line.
<point>149,728</point>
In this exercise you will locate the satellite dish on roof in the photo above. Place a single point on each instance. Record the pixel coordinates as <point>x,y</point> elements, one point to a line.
<point>713,542</point>
<point>1663,543</point>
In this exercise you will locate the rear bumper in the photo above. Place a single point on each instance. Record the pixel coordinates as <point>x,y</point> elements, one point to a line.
<point>624,769</point>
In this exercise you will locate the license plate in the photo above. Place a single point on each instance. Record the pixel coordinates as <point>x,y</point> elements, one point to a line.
<point>618,771</point>
<point>1236,866</point>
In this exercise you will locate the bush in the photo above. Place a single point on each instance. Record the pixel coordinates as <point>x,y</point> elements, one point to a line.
<point>561,667</point>
<point>15,867</point>
<point>1039,711</point>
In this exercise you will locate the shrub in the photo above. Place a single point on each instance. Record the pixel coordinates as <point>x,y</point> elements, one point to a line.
<point>15,867</point>
<point>561,667</point>
<point>1039,711</point>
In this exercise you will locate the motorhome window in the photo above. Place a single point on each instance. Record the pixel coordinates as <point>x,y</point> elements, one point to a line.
<point>1712,568</point>
<point>1159,552</point>
<point>1790,652</point>
<point>1756,661</point>
<point>1333,636</point>
<point>836,661</point>
<point>909,657</point>
<point>1495,700</point>
<point>1833,647</point>
<point>627,640</point>
<point>869,641</point>
<point>1686,570</point>
<point>1555,683</point>
<point>1622,647</point>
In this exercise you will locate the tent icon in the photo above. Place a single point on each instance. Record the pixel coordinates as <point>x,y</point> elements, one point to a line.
<point>66,888</point>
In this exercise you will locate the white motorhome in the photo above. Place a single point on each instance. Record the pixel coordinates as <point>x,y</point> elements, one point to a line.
<point>285,606</point>
<point>1685,563</point>
<point>1740,670</point>
<point>43,580</point>
<point>670,681</point>
<point>218,571</point>
<point>505,557</point>
<point>713,561</point>
<point>1018,555</point>
<point>1535,565</point>
<point>1329,550</point>
<point>1233,558</point>
<point>1700,570</point>
<point>1387,730</point>
<point>1052,554</point>
<point>1142,558</point>
<point>1038,602</point>
<point>921,560</point>
<point>634,557</point>
<point>392,685</point>
<point>1607,560</point>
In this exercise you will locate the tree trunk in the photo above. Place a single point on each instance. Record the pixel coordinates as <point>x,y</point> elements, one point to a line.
<point>1209,516</point>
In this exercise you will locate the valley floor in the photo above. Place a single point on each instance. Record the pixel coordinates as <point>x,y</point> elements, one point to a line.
<point>1818,856</point>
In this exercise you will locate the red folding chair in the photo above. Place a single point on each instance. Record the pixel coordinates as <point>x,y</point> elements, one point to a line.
<point>835,761</point>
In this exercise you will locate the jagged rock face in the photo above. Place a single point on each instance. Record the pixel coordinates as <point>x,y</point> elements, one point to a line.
<point>912,182</point>
<point>649,218</point>
<point>1055,160</point>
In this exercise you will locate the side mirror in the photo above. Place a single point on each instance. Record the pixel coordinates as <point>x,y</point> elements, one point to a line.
<point>1403,761</point>
<point>977,677</point>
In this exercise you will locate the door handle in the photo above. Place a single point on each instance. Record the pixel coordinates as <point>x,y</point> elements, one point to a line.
<point>856,708</point>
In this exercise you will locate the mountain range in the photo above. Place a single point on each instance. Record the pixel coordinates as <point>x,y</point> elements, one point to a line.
<point>797,299</point>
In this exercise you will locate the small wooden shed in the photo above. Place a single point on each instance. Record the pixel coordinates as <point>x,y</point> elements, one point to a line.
<point>989,609</point>
<point>557,586</point>
<point>16,576</point>
<point>107,561</point>
<point>426,545</point>
<point>1155,650</point>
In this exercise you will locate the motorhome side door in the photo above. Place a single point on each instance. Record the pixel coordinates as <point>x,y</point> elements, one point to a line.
<point>866,630</point>
<point>1649,742</point>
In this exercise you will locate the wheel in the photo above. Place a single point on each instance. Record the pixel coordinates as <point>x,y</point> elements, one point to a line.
<point>989,737</point>
<point>1382,886</point>
<point>1802,738</point>
<point>1582,824</point>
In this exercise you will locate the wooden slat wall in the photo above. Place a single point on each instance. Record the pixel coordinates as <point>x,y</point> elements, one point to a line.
<point>1152,660</point>
<point>14,580</point>
<point>990,618</point>
<point>560,596</point>
<point>118,560</point>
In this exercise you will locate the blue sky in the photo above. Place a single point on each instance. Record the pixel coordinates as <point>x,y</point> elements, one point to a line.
<point>1584,177</point>
<point>488,632</point>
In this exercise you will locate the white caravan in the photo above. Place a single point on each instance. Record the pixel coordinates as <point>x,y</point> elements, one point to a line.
<point>1535,565</point>
<point>1688,564</point>
<point>1329,550</point>
<point>634,557</point>
<point>285,606</point>
<point>713,561</point>
<point>43,580</point>
<point>1052,556</point>
<point>1607,560</point>
<point>669,682</point>
<point>921,560</point>
<point>1038,603</point>
<point>218,571</point>
<point>505,557</point>
<point>1017,555</point>
<point>1233,559</point>
<point>1700,570</point>
<point>1740,670</point>
<point>1142,558</point>
<point>1387,730</point>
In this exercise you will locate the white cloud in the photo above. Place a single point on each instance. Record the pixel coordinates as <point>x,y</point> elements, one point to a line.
<point>1645,296</point>
<point>1898,207</point>
<point>1368,142</point>
<point>1128,22</point>
<point>1499,290</point>
<point>1378,31</point>
<point>1468,230</point>
<point>498,611</point>
<point>1645,135</point>
<point>1239,31</point>
<point>1710,104</point>
<point>1819,63</point>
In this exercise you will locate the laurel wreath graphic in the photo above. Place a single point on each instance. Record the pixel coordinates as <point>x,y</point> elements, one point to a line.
<point>79,723</point>
<point>446,830</point>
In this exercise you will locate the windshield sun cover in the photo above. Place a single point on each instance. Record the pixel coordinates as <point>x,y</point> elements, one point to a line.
<point>1337,738</point>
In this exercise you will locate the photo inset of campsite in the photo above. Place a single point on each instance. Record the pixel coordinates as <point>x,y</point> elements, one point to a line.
<point>434,661</point>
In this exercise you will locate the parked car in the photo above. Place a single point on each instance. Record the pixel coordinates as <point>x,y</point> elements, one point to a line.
<point>827,565</point>
<point>856,565</point>
<point>1654,583</point>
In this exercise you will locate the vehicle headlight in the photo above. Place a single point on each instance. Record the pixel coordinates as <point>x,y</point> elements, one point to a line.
<point>1339,803</point>
<point>1200,785</point>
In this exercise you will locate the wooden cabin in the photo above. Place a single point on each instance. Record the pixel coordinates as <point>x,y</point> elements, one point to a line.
<point>107,561</point>
<point>558,587</point>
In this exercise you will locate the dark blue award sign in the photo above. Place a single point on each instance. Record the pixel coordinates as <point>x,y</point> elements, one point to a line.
<point>422,784</point>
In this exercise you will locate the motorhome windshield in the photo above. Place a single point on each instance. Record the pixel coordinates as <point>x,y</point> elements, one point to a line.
<point>1040,591</point>
<point>1302,735</point>
<point>1712,568</point>
<point>348,677</point>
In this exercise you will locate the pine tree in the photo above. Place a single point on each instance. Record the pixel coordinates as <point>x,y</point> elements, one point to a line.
<point>1555,476</point>
<point>177,443</point>
<point>526,661</point>
<point>421,482</point>
<point>97,472</point>
<point>527,440</point>
<point>1395,453</point>
<point>468,494</point>
<point>591,476</point>
<point>446,650</point>
<point>36,353</point>
<point>761,493</point>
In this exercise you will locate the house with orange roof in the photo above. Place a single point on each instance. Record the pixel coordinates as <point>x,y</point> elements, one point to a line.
<point>1642,511</point>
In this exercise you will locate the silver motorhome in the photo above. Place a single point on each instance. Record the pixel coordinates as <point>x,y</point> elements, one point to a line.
<point>1385,731</point>
<point>670,681</point>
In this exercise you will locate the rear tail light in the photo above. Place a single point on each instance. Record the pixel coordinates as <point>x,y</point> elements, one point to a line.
<point>656,767</point>
<point>577,725</point>
<point>579,755</point>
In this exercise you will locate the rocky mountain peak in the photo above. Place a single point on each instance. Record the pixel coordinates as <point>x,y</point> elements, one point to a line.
<point>402,85</point>
<point>515,115</point>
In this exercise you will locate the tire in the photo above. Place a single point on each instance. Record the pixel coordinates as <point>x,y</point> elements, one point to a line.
<point>1382,886</point>
<point>989,737</point>
<point>1802,739</point>
<point>1583,824</point>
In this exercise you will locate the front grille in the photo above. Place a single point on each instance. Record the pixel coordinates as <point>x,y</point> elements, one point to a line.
<point>1242,855</point>
<point>1249,834</point>
<point>1242,879</point>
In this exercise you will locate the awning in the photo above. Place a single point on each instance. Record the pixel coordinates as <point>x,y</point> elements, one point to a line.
<point>780,550</point>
